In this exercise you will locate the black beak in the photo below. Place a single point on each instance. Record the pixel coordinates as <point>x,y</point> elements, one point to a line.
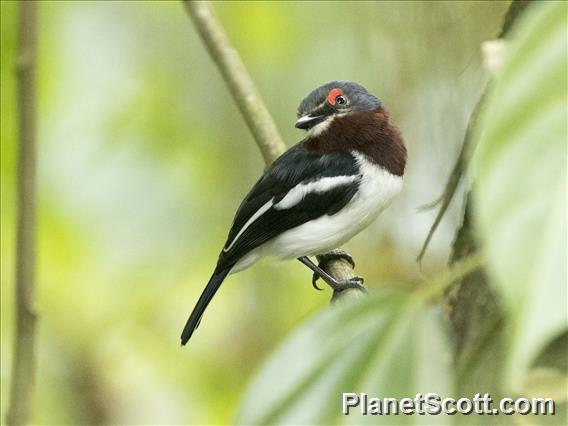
<point>309,121</point>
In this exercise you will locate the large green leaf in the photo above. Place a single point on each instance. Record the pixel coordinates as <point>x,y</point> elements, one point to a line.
<point>520,187</point>
<point>387,346</point>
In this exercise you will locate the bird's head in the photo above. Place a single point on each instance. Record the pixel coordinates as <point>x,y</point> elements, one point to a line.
<point>330,100</point>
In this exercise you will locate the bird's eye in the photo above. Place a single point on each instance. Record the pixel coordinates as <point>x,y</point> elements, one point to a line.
<point>340,100</point>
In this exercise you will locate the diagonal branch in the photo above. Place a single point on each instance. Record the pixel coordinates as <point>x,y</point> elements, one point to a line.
<point>252,108</point>
<point>23,367</point>
<point>453,180</point>
<point>515,10</point>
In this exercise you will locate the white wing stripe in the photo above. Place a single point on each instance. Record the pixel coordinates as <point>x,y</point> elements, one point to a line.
<point>254,217</point>
<point>297,194</point>
<point>293,197</point>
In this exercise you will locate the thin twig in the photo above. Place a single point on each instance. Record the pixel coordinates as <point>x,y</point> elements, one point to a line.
<point>515,10</point>
<point>453,180</point>
<point>472,306</point>
<point>23,366</point>
<point>244,93</point>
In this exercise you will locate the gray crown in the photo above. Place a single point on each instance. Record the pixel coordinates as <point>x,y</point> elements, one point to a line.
<point>359,98</point>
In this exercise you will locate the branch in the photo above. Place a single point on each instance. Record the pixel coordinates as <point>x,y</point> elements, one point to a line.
<point>251,106</point>
<point>453,180</point>
<point>24,340</point>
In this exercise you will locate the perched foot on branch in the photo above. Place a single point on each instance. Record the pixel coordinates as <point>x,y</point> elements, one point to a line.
<point>355,282</point>
<point>348,286</point>
<point>324,259</point>
<point>315,277</point>
<point>337,285</point>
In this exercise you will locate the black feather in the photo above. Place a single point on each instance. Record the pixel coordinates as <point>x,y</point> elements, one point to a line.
<point>296,166</point>
<point>212,286</point>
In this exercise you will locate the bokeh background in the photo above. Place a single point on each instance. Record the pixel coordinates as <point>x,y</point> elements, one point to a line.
<point>144,158</point>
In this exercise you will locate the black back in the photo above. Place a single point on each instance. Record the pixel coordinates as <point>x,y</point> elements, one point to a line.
<point>295,166</point>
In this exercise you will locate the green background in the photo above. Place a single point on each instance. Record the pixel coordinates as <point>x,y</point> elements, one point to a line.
<point>144,158</point>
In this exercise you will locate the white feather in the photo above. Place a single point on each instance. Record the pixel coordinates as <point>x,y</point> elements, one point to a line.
<point>319,128</point>
<point>376,191</point>
<point>293,197</point>
<point>297,194</point>
<point>254,217</point>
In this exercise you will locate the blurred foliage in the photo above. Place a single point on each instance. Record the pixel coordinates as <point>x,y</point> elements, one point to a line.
<point>144,158</point>
<point>520,192</point>
<point>389,345</point>
<point>380,348</point>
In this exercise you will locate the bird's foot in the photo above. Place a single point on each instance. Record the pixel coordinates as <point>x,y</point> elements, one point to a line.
<point>354,282</point>
<point>324,259</point>
<point>315,278</point>
<point>350,288</point>
<point>336,254</point>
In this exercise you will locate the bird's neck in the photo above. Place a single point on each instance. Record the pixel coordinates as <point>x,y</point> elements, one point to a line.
<point>369,133</point>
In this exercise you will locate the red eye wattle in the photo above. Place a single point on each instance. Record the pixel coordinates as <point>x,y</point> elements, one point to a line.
<point>333,94</point>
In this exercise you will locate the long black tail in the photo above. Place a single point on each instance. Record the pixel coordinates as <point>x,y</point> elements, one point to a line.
<point>212,286</point>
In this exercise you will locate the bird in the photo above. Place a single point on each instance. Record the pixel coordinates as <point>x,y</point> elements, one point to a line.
<point>322,191</point>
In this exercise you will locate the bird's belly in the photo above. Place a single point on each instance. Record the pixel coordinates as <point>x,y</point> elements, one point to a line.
<point>376,191</point>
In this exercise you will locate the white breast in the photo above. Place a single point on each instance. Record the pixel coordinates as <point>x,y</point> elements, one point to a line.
<point>376,191</point>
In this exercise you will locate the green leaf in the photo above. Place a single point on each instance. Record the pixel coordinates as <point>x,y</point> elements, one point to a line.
<point>387,346</point>
<point>520,190</point>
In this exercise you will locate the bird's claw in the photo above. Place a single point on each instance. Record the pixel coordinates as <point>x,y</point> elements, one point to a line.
<point>323,259</point>
<point>354,282</point>
<point>315,278</point>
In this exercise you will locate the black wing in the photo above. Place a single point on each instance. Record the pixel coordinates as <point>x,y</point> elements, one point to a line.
<point>295,166</point>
